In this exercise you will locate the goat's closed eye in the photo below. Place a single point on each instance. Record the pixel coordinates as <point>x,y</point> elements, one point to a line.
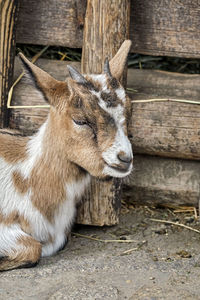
<point>79,122</point>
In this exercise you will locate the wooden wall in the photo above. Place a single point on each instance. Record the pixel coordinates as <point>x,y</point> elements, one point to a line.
<point>158,27</point>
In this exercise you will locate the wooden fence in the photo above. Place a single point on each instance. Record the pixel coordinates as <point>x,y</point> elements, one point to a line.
<point>166,135</point>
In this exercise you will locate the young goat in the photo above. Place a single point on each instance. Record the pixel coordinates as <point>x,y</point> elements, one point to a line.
<point>41,176</point>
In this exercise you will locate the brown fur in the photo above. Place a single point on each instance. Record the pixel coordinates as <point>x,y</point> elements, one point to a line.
<point>29,255</point>
<point>48,189</point>
<point>12,148</point>
<point>15,218</point>
<point>20,183</point>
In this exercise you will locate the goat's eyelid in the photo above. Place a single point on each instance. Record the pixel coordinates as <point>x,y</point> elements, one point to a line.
<point>80,123</point>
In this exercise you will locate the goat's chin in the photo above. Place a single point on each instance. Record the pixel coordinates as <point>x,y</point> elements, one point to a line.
<point>112,172</point>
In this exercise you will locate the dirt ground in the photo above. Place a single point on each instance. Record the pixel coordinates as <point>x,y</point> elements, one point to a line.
<point>163,262</point>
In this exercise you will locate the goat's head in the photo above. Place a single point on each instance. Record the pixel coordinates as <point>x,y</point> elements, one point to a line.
<point>91,113</point>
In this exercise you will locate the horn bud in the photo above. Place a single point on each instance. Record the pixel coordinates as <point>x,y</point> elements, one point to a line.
<point>78,77</point>
<point>107,68</point>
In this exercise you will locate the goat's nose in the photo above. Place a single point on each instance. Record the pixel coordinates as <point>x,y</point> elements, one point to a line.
<point>125,158</point>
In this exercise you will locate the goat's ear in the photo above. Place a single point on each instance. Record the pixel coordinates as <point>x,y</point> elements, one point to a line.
<point>117,63</point>
<point>50,88</point>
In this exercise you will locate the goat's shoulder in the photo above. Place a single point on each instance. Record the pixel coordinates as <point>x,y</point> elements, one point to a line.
<point>12,145</point>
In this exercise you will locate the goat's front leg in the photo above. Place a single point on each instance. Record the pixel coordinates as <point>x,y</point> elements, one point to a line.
<point>17,249</point>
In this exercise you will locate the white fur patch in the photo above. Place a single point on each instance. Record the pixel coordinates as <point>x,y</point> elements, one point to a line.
<point>121,94</point>
<point>65,215</point>
<point>121,144</point>
<point>9,235</point>
<point>102,79</point>
<point>34,151</point>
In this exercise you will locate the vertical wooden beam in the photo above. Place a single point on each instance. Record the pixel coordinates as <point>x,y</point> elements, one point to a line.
<point>8,14</point>
<point>106,27</point>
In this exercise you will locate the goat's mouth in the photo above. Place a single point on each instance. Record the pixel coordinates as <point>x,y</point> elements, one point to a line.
<point>117,171</point>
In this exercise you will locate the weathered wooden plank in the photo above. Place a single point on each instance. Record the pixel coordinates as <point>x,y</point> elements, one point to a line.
<point>165,181</point>
<point>101,204</point>
<point>106,27</point>
<point>166,27</point>
<point>166,129</point>
<point>50,22</point>
<point>8,15</point>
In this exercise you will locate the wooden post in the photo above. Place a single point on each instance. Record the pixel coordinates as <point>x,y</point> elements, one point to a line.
<point>106,27</point>
<point>8,14</point>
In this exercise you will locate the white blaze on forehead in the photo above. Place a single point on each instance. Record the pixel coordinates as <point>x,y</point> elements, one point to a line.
<point>121,94</point>
<point>117,112</point>
<point>102,80</point>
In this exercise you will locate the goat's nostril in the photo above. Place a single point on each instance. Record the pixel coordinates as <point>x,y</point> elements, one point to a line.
<point>124,158</point>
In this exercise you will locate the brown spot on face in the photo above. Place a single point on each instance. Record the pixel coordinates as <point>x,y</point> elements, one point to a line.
<point>110,99</point>
<point>13,148</point>
<point>113,83</point>
<point>20,183</point>
<point>106,130</point>
<point>77,102</point>
<point>91,86</point>
<point>94,84</point>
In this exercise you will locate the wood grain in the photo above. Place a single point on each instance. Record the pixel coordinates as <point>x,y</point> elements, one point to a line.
<point>165,128</point>
<point>50,22</point>
<point>166,27</point>
<point>101,204</point>
<point>163,181</point>
<point>106,27</point>
<point>159,27</point>
<point>8,15</point>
